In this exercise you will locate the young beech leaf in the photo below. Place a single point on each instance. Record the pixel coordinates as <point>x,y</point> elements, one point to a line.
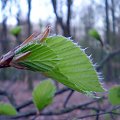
<point>59,58</point>
<point>41,58</point>
<point>16,30</point>
<point>93,33</point>
<point>77,69</point>
<point>114,95</point>
<point>43,94</point>
<point>7,109</point>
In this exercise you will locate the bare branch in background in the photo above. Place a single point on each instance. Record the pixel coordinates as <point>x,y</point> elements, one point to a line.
<point>59,112</point>
<point>9,97</point>
<point>65,26</point>
<point>107,58</point>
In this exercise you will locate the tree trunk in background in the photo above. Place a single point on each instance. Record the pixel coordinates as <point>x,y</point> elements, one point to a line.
<point>67,31</point>
<point>28,17</point>
<point>18,37</point>
<point>4,44</point>
<point>65,26</point>
<point>108,67</point>
<point>4,36</point>
<point>28,73</point>
<point>107,22</point>
<point>113,22</point>
<point>114,41</point>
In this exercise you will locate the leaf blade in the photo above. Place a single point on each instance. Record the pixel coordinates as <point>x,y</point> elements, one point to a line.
<point>43,94</point>
<point>114,95</point>
<point>94,33</point>
<point>82,62</point>
<point>61,59</point>
<point>7,109</point>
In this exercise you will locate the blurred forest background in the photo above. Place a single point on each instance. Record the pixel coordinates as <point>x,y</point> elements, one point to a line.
<point>70,18</point>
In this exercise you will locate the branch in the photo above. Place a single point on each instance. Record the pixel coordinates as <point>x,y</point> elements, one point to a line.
<point>59,112</point>
<point>92,115</point>
<point>2,92</point>
<point>68,97</point>
<point>107,58</point>
<point>29,102</point>
<point>9,96</point>
<point>102,113</point>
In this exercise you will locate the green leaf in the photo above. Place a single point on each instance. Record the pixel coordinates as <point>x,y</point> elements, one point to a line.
<point>7,109</point>
<point>114,95</point>
<point>61,59</point>
<point>93,33</point>
<point>16,30</point>
<point>43,94</point>
<point>42,58</point>
<point>75,67</point>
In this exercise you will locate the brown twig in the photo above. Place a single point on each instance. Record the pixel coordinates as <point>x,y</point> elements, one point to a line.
<point>61,111</point>
<point>68,97</point>
<point>29,102</point>
<point>9,97</point>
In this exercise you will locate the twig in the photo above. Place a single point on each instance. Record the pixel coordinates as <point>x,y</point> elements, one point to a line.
<point>29,102</point>
<point>107,58</point>
<point>112,117</point>
<point>92,115</point>
<point>9,96</point>
<point>97,116</point>
<point>59,112</point>
<point>68,97</point>
<point>23,105</point>
<point>102,113</point>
